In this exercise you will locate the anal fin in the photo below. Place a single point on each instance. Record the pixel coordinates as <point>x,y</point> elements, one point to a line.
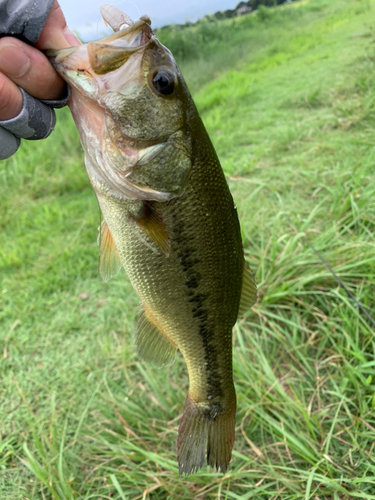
<point>109,259</point>
<point>248,291</point>
<point>152,345</point>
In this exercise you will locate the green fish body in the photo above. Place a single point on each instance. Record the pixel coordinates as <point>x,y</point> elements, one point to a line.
<point>169,219</point>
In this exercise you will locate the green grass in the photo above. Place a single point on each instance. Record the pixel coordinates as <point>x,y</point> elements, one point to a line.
<point>288,98</point>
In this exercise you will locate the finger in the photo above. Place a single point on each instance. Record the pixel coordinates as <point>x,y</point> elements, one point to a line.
<point>10,98</point>
<point>8,144</point>
<point>28,68</point>
<point>36,120</point>
<point>56,34</point>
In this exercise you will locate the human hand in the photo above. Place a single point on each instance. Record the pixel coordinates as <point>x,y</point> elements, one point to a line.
<point>25,67</point>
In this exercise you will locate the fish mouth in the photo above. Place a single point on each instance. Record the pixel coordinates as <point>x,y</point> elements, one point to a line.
<point>103,56</point>
<point>113,51</point>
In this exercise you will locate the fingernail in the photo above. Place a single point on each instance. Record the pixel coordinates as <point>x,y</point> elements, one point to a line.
<point>13,61</point>
<point>70,37</point>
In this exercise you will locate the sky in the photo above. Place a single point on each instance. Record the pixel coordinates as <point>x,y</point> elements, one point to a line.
<point>84,17</point>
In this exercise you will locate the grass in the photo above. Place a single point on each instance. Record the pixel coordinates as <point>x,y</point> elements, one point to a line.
<point>288,99</point>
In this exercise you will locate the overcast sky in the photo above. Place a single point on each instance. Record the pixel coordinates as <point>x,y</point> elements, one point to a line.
<point>84,15</point>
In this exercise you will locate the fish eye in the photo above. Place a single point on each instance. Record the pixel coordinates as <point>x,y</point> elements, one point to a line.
<point>164,82</point>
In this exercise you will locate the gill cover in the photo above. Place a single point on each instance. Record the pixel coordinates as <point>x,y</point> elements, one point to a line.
<point>129,104</point>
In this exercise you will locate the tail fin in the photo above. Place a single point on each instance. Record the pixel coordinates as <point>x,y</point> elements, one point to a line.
<point>206,432</point>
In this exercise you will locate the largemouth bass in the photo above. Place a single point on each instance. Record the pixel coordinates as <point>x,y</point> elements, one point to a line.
<point>169,219</point>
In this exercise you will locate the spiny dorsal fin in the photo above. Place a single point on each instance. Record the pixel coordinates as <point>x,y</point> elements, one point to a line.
<point>152,345</point>
<point>248,290</point>
<point>151,222</point>
<point>109,259</point>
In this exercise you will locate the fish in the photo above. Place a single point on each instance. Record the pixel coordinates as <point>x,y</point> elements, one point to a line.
<point>168,218</point>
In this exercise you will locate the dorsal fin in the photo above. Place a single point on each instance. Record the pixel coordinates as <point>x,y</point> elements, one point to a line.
<point>109,259</point>
<point>152,345</point>
<point>248,290</point>
<point>151,222</point>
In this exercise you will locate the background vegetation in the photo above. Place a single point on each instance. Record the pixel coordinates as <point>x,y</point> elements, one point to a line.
<point>288,98</point>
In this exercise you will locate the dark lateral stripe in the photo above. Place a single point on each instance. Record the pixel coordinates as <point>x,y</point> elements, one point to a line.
<point>187,256</point>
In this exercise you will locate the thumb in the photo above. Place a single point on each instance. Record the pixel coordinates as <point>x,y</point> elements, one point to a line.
<point>55,33</point>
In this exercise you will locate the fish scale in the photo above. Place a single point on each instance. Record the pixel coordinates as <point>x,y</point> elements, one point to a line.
<point>169,219</point>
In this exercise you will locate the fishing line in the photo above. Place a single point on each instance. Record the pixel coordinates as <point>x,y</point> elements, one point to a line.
<point>321,258</point>
<point>327,266</point>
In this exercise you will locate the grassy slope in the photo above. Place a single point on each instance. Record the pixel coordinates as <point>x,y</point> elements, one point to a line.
<point>290,105</point>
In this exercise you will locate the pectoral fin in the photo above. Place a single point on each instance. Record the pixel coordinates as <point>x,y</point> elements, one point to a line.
<point>152,345</point>
<point>248,291</point>
<point>152,223</point>
<point>109,259</point>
